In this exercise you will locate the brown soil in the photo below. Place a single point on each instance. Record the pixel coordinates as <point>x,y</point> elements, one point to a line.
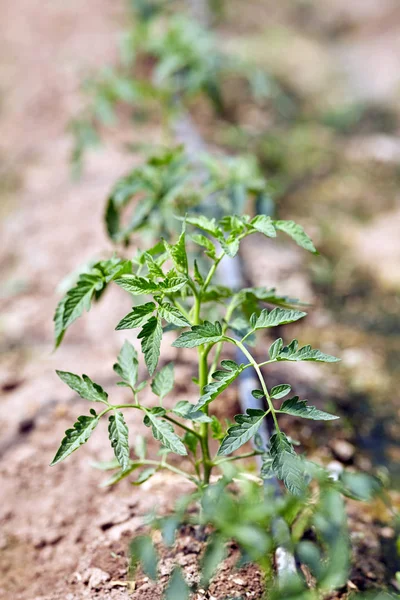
<point>62,536</point>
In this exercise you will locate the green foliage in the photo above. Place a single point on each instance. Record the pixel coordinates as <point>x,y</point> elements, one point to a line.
<point>84,386</point>
<point>200,334</point>
<point>299,408</point>
<point>127,365</point>
<point>75,437</point>
<point>246,429</point>
<point>163,382</point>
<point>118,434</point>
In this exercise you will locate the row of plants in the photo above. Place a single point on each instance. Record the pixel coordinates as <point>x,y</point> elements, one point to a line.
<point>191,218</point>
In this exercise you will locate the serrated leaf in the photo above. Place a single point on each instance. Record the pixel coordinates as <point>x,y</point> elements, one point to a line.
<point>172,284</point>
<point>75,437</point>
<point>277,316</point>
<point>297,233</point>
<point>223,380</point>
<point>264,225</point>
<point>177,587</point>
<point>85,387</point>
<point>118,435</point>
<point>137,317</point>
<point>199,334</point>
<point>150,337</point>
<point>76,301</point>
<point>177,253</point>
<point>280,391</point>
<point>208,225</point>
<point>173,315</point>
<point>287,465</point>
<point>164,433</point>
<point>127,365</point>
<point>163,382</point>
<point>237,435</point>
<point>137,285</point>
<point>306,353</point>
<point>206,243</point>
<point>229,245</point>
<point>198,277</point>
<point>299,408</point>
<point>186,410</point>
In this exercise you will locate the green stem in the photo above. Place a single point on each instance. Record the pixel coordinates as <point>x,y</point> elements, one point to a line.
<point>211,272</point>
<point>260,377</point>
<point>237,457</point>
<point>182,426</point>
<point>164,465</point>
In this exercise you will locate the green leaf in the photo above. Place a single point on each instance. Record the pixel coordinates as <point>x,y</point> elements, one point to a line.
<point>264,225</point>
<point>208,225</point>
<point>287,465</point>
<point>206,243</point>
<point>163,382</point>
<point>229,245</point>
<point>186,410</point>
<point>237,435</point>
<point>299,408</point>
<point>223,380</point>
<point>85,387</point>
<point>75,437</point>
<point>277,316</point>
<point>275,348</point>
<point>121,474</point>
<point>164,433</point>
<point>172,284</point>
<point>305,353</point>
<point>118,435</point>
<point>216,429</point>
<point>76,301</point>
<point>151,335</point>
<point>199,334</point>
<point>138,285</point>
<point>173,315</point>
<point>145,476</point>
<point>213,556</point>
<point>177,253</point>
<point>127,365</point>
<point>142,551</point>
<point>297,233</point>
<point>177,587</point>
<point>137,317</point>
<point>191,441</point>
<point>280,391</point>
<point>58,319</point>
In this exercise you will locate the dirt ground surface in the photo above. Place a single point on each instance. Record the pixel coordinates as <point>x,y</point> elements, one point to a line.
<point>63,537</point>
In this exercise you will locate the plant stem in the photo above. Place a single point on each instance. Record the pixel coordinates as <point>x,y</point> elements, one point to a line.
<point>164,465</point>
<point>182,426</point>
<point>256,367</point>
<point>203,377</point>
<point>237,457</point>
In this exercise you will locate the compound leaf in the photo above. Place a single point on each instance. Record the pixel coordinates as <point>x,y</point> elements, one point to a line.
<point>277,316</point>
<point>264,225</point>
<point>286,465</point>
<point>85,387</point>
<point>137,317</point>
<point>164,433</point>
<point>75,437</point>
<point>199,334</point>
<point>297,233</point>
<point>237,435</point>
<point>137,285</point>
<point>150,337</point>
<point>118,435</point>
<point>173,315</point>
<point>223,380</point>
<point>187,410</point>
<point>127,365</point>
<point>163,382</point>
<point>299,408</point>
